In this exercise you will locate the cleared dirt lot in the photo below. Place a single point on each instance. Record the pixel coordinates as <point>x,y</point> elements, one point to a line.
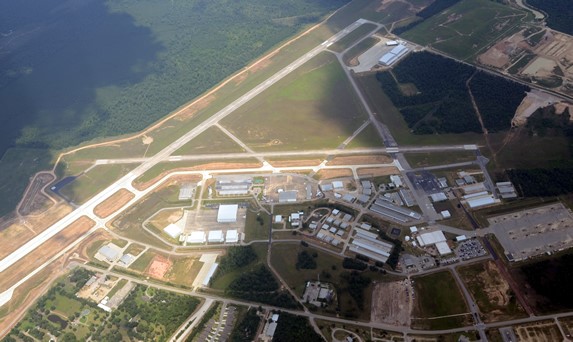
<point>377,171</point>
<point>491,292</point>
<point>391,303</point>
<point>113,203</point>
<point>333,173</point>
<point>289,163</point>
<point>359,160</point>
<point>47,250</point>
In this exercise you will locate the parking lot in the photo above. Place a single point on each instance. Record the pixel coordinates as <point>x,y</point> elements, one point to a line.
<point>534,231</point>
<point>426,181</point>
<point>470,249</point>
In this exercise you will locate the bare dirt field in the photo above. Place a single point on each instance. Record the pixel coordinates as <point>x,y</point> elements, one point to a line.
<point>333,173</point>
<point>534,100</point>
<point>289,163</point>
<point>491,291</point>
<point>538,332</point>
<point>361,160</point>
<point>23,230</point>
<point>391,303</point>
<point>34,201</point>
<point>43,253</point>
<point>159,267</point>
<point>377,171</point>
<point>537,55</point>
<point>113,203</point>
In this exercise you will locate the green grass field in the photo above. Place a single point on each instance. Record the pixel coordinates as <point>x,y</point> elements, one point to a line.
<point>213,140</point>
<point>141,263</point>
<point>95,180</point>
<point>438,295</point>
<point>436,158</point>
<point>466,28</point>
<point>352,37</point>
<point>369,137</point>
<point>314,107</point>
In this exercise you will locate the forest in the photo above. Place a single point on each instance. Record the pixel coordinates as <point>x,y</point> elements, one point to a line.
<point>551,279</point>
<point>260,285</point>
<point>542,182</point>
<point>431,93</point>
<point>559,13</point>
<point>124,64</point>
<point>292,328</point>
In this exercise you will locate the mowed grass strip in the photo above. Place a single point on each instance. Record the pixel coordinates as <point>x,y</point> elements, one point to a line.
<point>438,296</point>
<point>351,38</point>
<point>212,140</point>
<point>467,27</point>
<point>95,180</point>
<point>312,108</point>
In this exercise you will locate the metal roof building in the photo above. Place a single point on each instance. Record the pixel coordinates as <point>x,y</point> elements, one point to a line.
<point>196,237</point>
<point>481,201</point>
<point>109,252</point>
<point>186,191</point>
<point>439,197</point>
<point>215,236</point>
<point>287,196</point>
<point>232,236</point>
<point>431,238</point>
<point>227,213</point>
<point>443,248</point>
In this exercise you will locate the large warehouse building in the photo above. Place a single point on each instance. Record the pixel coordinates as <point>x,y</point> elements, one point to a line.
<point>393,55</point>
<point>227,213</point>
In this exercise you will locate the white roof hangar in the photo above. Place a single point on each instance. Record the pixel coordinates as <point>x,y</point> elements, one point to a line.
<point>443,248</point>
<point>232,236</point>
<point>173,230</point>
<point>215,236</point>
<point>196,237</point>
<point>227,213</point>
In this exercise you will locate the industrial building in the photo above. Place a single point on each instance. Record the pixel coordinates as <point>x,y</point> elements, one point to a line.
<point>173,230</point>
<point>407,197</point>
<point>438,197</point>
<point>366,243</point>
<point>481,201</point>
<point>506,190</point>
<point>232,236</point>
<point>396,180</point>
<point>394,212</point>
<point>287,196</point>
<point>227,213</point>
<point>435,238</point>
<point>215,236</point>
<point>233,186</point>
<point>393,55</point>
